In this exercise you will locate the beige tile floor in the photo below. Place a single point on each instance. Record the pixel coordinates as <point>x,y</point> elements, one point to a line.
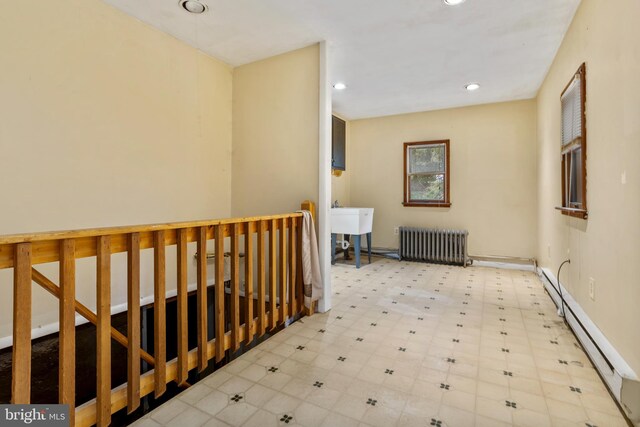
<point>410,344</point>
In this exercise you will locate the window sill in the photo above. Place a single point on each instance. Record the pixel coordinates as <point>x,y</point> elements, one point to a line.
<point>426,204</point>
<point>576,213</point>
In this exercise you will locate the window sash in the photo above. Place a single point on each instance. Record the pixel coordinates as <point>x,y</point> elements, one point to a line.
<point>413,199</point>
<point>411,157</point>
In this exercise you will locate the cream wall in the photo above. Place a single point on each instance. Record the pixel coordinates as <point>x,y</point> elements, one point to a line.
<point>341,185</point>
<point>105,121</point>
<point>275,133</point>
<point>493,174</point>
<point>606,246</point>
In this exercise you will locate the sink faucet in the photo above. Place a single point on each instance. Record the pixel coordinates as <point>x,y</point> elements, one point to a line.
<point>335,204</point>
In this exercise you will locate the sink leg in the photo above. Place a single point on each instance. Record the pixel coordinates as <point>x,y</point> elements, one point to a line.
<point>333,248</point>
<point>356,239</point>
<point>369,246</point>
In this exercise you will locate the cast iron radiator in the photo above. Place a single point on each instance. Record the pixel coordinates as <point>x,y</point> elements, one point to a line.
<point>432,245</point>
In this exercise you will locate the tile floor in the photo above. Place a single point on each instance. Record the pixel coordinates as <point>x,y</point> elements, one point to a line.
<point>410,344</point>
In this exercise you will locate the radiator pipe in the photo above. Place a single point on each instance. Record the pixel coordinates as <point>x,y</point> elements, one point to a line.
<point>561,313</point>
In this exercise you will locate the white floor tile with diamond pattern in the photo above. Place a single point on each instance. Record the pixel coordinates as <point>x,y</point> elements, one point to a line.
<point>410,344</point>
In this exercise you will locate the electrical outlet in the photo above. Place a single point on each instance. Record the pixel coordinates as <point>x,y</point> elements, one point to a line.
<point>623,178</point>
<point>592,288</point>
<point>396,230</point>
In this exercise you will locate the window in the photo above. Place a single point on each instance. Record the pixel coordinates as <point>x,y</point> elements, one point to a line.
<point>426,174</point>
<point>574,147</point>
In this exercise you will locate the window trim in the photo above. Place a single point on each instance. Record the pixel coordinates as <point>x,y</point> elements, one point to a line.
<point>565,150</point>
<point>447,182</point>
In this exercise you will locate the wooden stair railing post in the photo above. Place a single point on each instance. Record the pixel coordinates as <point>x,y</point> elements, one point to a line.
<point>248,284</point>
<point>133,322</point>
<point>103,332</point>
<point>67,337</point>
<point>293,303</point>
<point>21,361</point>
<point>308,205</point>
<point>159,314</point>
<point>203,357</point>
<point>299,277</point>
<point>282,317</point>
<point>219,293</point>
<point>262,300</point>
<point>182,303</point>
<point>85,312</point>
<point>273,274</point>
<point>235,289</point>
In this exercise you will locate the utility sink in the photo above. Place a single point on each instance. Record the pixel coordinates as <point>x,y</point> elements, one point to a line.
<point>353,221</point>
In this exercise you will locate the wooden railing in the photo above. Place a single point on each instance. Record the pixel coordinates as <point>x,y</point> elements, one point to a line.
<point>279,296</point>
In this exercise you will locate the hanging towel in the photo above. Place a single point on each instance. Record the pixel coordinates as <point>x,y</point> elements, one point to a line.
<point>312,279</point>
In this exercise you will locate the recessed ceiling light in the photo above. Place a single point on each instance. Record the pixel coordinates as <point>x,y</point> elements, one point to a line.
<point>193,6</point>
<point>340,86</point>
<point>472,86</point>
<point>453,2</point>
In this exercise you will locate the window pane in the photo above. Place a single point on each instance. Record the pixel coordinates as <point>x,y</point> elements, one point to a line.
<point>426,187</point>
<point>427,159</point>
<point>575,186</point>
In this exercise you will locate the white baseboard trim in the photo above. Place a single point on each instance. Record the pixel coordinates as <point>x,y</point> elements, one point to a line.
<point>621,380</point>
<point>503,265</point>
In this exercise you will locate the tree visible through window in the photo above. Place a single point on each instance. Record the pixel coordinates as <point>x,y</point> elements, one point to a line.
<point>426,173</point>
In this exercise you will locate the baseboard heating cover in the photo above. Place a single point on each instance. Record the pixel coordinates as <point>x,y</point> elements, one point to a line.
<point>434,245</point>
<point>621,380</point>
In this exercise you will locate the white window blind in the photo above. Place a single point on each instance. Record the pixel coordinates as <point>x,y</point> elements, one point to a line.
<point>572,111</point>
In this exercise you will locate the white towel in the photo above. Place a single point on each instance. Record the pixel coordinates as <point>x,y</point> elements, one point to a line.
<point>311,276</point>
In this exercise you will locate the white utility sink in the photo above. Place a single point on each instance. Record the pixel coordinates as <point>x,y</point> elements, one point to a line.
<point>354,221</point>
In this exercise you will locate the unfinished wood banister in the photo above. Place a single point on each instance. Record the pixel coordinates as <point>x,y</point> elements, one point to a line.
<point>282,268</point>
<point>235,290</point>
<point>110,231</point>
<point>183,333</point>
<point>273,273</point>
<point>238,317</point>
<point>67,346</point>
<point>45,245</point>
<point>85,312</point>
<point>248,287</point>
<point>219,295</point>
<point>103,331</point>
<point>133,323</point>
<point>21,360</point>
<point>203,359</point>
<point>159,313</point>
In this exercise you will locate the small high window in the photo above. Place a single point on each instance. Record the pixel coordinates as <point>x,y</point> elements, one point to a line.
<point>426,174</point>
<point>574,146</point>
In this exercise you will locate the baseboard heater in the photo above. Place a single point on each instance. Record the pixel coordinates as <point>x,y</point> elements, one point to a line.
<point>434,245</point>
<point>621,380</point>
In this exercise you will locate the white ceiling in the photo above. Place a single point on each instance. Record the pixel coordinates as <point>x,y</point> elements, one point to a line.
<point>396,56</point>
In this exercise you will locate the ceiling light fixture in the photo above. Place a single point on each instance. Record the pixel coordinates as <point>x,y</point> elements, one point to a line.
<point>193,6</point>
<point>472,86</point>
<point>340,86</point>
<point>453,2</point>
